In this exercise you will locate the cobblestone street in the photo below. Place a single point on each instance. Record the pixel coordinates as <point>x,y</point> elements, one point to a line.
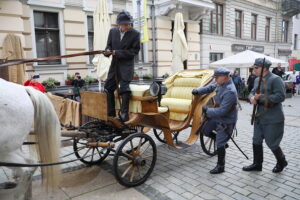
<point>185,175</point>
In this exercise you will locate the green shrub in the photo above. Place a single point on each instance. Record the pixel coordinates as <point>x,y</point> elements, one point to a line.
<point>50,83</point>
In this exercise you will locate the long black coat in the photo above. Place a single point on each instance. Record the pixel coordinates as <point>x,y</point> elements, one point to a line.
<point>125,50</point>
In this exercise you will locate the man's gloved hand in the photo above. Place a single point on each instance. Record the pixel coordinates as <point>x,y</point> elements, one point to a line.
<point>195,92</point>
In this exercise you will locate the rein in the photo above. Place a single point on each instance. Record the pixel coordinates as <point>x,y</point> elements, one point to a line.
<point>6,62</point>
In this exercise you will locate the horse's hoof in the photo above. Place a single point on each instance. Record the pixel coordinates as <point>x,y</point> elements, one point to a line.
<point>8,185</point>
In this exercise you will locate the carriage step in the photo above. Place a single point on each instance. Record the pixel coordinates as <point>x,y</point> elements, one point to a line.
<point>8,185</point>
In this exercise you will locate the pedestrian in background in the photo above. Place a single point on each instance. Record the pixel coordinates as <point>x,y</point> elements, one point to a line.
<point>298,84</point>
<point>250,81</point>
<point>237,81</point>
<point>223,117</point>
<point>278,70</point>
<point>269,119</point>
<point>33,82</point>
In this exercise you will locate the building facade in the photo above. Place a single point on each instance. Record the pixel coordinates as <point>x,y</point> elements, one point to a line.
<point>214,29</point>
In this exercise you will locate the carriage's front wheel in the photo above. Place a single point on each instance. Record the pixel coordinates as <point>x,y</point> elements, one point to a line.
<point>89,154</point>
<point>134,160</point>
<point>208,144</point>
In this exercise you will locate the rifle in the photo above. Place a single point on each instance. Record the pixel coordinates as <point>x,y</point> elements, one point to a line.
<point>6,62</point>
<point>257,92</point>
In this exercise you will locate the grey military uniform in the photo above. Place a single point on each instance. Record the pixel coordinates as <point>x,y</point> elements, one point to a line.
<point>222,118</point>
<point>269,121</point>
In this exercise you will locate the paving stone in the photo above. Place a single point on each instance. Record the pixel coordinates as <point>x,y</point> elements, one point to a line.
<point>176,188</point>
<point>238,196</point>
<point>256,191</point>
<point>224,190</point>
<point>188,195</point>
<point>256,197</point>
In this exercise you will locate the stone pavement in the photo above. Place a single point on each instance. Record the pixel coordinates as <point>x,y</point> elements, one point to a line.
<point>179,175</point>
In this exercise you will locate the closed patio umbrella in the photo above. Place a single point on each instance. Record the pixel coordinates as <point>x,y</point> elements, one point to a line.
<point>101,31</point>
<point>12,49</point>
<point>179,44</point>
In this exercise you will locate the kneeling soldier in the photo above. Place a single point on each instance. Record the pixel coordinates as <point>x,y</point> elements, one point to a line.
<point>223,117</point>
<point>269,120</point>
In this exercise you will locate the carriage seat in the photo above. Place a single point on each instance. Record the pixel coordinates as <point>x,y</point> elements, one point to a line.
<point>135,106</point>
<point>179,96</point>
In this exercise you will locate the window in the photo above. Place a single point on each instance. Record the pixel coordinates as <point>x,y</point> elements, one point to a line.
<point>238,23</point>
<point>90,23</point>
<point>284,35</point>
<point>47,36</point>
<point>295,42</point>
<point>216,20</point>
<point>267,29</point>
<point>215,57</point>
<point>253,26</point>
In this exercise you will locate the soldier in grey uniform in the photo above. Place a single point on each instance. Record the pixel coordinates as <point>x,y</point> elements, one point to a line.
<point>223,117</point>
<point>269,120</point>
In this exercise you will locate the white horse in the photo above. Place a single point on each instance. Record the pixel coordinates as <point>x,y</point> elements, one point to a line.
<point>22,108</point>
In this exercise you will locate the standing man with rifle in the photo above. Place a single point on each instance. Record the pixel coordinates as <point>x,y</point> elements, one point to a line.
<point>268,118</point>
<point>123,44</point>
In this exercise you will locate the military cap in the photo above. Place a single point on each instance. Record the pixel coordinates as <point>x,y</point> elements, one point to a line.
<point>124,17</point>
<point>221,71</point>
<point>260,61</point>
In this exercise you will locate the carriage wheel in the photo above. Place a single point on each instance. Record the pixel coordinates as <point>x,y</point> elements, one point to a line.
<point>89,155</point>
<point>208,144</point>
<point>134,159</point>
<point>160,135</point>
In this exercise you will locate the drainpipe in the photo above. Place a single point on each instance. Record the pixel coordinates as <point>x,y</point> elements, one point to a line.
<point>276,28</point>
<point>153,30</point>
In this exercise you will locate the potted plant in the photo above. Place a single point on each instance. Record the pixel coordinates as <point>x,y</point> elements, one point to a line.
<point>135,76</point>
<point>88,79</point>
<point>50,83</point>
<point>166,75</point>
<point>69,79</point>
<point>147,76</point>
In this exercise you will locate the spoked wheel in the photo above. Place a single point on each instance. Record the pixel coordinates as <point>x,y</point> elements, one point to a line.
<point>160,135</point>
<point>88,154</point>
<point>134,160</point>
<point>208,144</point>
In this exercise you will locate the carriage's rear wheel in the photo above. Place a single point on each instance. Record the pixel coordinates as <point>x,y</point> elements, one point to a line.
<point>208,144</point>
<point>160,135</point>
<point>89,154</point>
<point>134,160</point>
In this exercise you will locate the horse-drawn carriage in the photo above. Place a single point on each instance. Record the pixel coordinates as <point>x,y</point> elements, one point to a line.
<point>134,151</point>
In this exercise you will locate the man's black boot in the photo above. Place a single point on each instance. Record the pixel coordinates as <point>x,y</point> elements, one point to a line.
<point>221,161</point>
<point>257,159</point>
<point>124,116</point>
<point>281,161</point>
<point>111,111</point>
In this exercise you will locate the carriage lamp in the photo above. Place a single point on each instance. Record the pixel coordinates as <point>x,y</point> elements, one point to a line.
<point>157,89</point>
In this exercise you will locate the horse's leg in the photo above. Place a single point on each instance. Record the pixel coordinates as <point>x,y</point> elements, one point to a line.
<point>22,177</point>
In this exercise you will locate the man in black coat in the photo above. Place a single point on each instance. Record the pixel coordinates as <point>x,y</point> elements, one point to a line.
<point>123,44</point>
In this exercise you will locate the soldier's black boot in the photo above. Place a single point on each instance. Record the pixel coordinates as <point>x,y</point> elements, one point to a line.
<point>124,116</point>
<point>221,161</point>
<point>281,161</point>
<point>111,111</point>
<point>257,159</point>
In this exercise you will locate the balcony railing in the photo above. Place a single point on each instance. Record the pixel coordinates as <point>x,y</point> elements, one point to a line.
<point>290,7</point>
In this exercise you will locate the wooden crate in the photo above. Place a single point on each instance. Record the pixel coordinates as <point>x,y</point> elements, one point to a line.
<point>94,104</point>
